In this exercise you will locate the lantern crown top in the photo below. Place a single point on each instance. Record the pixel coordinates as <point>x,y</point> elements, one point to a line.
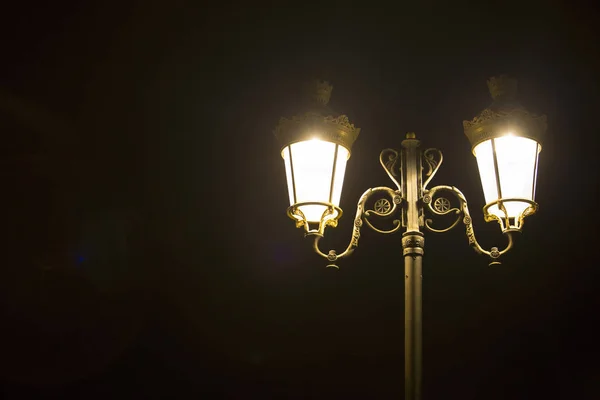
<point>505,114</point>
<point>318,92</point>
<point>317,120</point>
<point>503,87</point>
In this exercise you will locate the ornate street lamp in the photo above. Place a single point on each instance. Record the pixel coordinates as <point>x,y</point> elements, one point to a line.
<point>316,146</point>
<point>506,141</point>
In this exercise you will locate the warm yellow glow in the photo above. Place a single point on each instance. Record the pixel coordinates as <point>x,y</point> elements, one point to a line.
<point>309,166</point>
<point>516,161</point>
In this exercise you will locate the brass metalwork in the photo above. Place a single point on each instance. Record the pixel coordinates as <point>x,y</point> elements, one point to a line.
<point>441,204</point>
<point>413,243</point>
<point>330,217</point>
<point>390,165</point>
<point>412,250</point>
<point>433,164</point>
<point>319,121</point>
<point>360,217</point>
<point>503,115</point>
<point>509,224</point>
<point>319,92</point>
<point>412,176</point>
<point>382,206</point>
<point>463,210</point>
<point>437,205</point>
<point>502,87</point>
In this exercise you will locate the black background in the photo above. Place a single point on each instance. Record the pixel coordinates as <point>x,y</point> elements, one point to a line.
<point>146,252</point>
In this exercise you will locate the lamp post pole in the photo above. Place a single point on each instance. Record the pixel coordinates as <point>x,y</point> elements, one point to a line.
<point>413,261</point>
<point>412,249</point>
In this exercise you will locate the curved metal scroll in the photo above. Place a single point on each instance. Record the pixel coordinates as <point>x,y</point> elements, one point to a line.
<point>388,209</point>
<point>362,215</point>
<point>438,207</point>
<point>390,165</point>
<point>433,164</point>
<point>383,207</point>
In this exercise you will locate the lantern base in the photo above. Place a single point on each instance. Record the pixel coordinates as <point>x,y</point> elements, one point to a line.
<point>509,223</point>
<point>330,217</point>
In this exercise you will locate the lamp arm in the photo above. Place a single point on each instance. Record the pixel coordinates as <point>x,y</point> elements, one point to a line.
<point>439,209</point>
<point>332,256</point>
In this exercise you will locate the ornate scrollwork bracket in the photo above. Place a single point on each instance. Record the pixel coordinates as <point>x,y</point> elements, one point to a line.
<point>330,217</point>
<point>391,165</point>
<point>384,207</point>
<point>439,205</point>
<point>433,158</point>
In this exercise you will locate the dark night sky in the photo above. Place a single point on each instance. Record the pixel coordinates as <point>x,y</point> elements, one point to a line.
<point>146,250</point>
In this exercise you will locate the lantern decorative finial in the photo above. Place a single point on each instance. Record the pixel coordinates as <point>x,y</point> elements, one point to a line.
<point>502,87</point>
<point>319,92</point>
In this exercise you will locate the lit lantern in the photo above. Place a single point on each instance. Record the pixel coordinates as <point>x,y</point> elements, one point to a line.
<point>506,140</point>
<point>315,148</point>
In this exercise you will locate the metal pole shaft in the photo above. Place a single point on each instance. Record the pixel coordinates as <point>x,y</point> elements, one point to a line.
<point>412,248</point>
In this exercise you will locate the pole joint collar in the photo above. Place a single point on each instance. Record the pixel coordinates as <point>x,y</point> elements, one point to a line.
<point>413,243</point>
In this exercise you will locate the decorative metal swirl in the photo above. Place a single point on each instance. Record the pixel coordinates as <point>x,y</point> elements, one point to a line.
<point>362,215</point>
<point>383,208</point>
<point>433,164</point>
<point>390,165</point>
<point>396,222</point>
<point>463,210</point>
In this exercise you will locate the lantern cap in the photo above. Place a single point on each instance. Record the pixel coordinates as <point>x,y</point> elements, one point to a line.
<point>505,114</point>
<point>318,120</point>
<point>318,91</point>
<point>503,87</point>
